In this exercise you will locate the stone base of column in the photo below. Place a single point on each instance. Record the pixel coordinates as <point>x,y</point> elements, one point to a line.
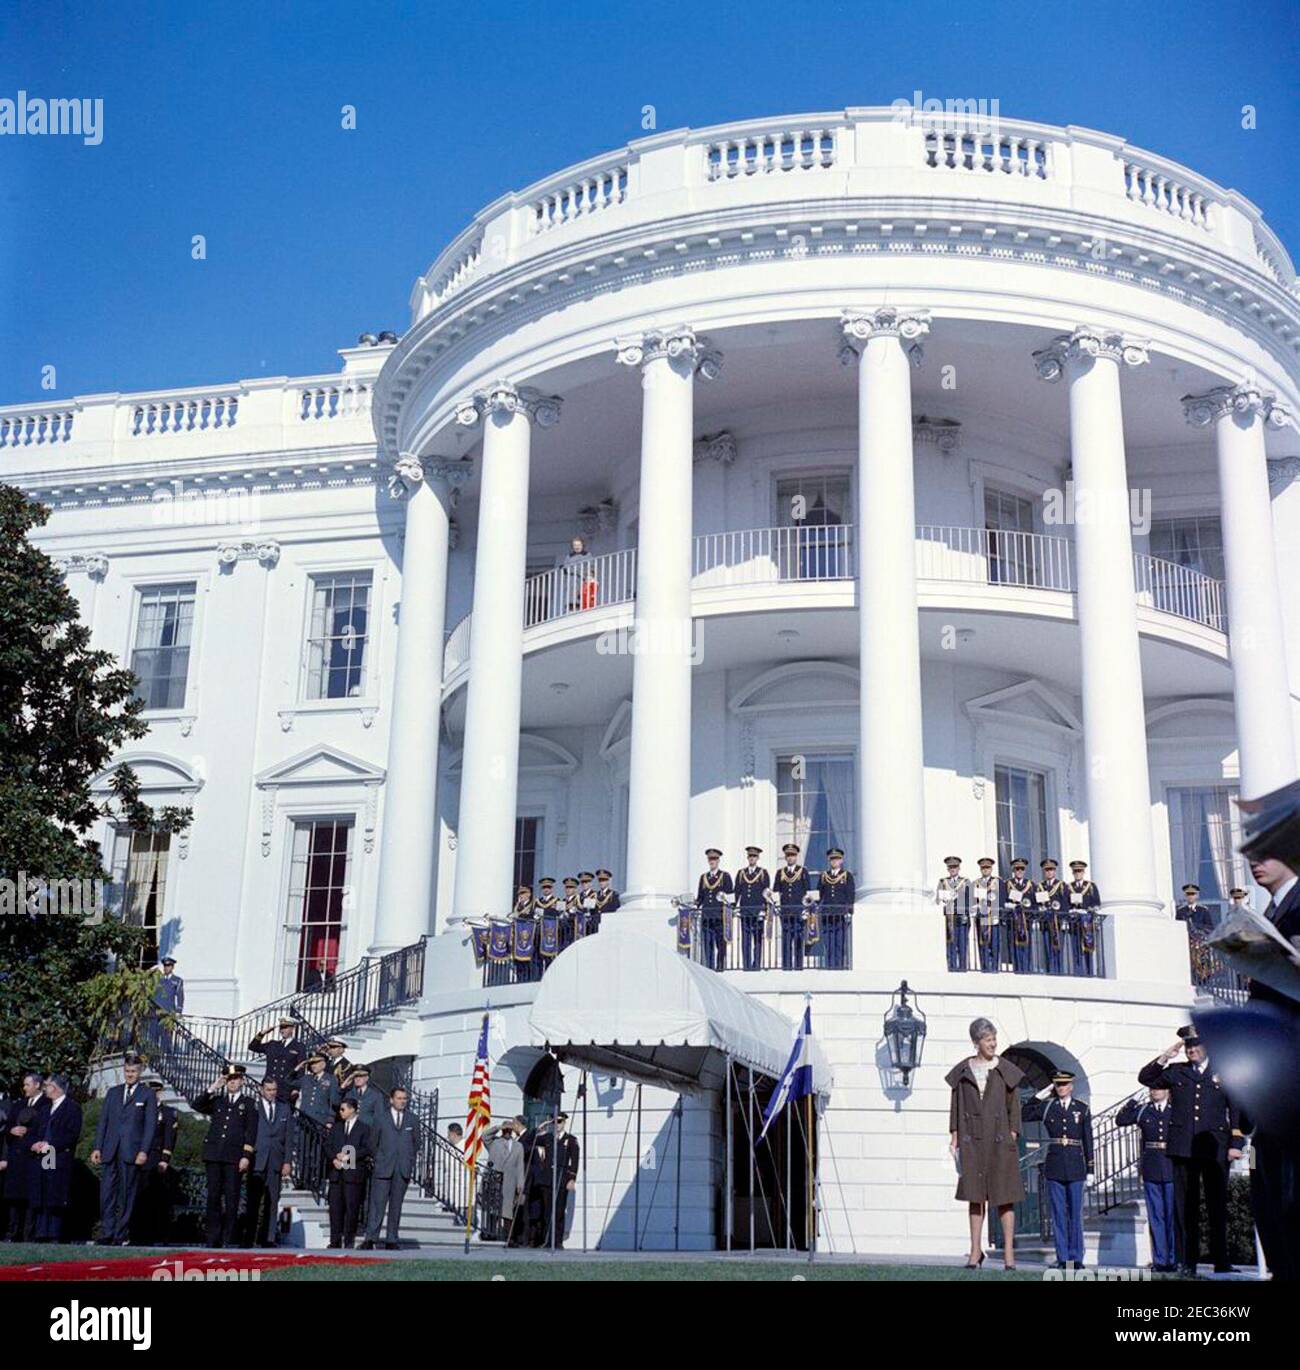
<point>657,923</point>
<point>1144,944</point>
<point>902,935</point>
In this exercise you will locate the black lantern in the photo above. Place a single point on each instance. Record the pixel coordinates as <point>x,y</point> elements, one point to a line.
<point>905,1032</point>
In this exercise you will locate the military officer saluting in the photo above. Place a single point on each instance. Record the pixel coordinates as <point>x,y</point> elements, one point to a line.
<point>751,886</point>
<point>792,883</point>
<point>713,895</point>
<point>227,1150</point>
<point>1152,1121</point>
<point>986,912</point>
<point>1084,901</point>
<point>1017,917</point>
<point>953,895</point>
<point>1067,1122</point>
<point>284,1059</point>
<point>606,899</point>
<point>838,891</point>
<point>1049,901</point>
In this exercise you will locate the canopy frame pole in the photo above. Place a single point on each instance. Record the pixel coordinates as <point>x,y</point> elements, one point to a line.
<point>789,1177</point>
<point>749,1108</point>
<point>582,1091</point>
<point>727,1163</point>
<point>677,1187</point>
<point>636,1177</point>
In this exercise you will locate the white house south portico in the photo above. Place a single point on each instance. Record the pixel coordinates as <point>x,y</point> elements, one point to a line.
<point>847,576</point>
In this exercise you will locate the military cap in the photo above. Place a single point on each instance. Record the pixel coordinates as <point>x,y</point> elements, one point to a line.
<point>952,860</point>
<point>316,1056</point>
<point>603,874</point>
<point>1046,862</point>
<point>753,851</point>
<point>1020,861</point>
<point>360,1070</point>
<point>985,861</point>
<point>524,889</point>
<point>1236,892</point>
<point>586,875</point>
<point>834,851</point>
<point>169,961</point>
<point>1192,1041</point>
<point>546,880</point>
<point>336,1042</point>
<point>155,1084</point>
<point>1063,1077</point>
<point>234,1072</point>
<point>570,882</point>
<point>790,848</point>
<point>287,1022</point>
<point>1078,865</point>
<point>712,851</point>
<point>1190,888</point>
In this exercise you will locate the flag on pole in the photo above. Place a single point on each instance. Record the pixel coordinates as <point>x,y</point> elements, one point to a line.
<point>480,1100</point>
<point>796,1080</point>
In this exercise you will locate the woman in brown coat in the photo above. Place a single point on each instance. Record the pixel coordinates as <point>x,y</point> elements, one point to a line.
<point>984,1122</point>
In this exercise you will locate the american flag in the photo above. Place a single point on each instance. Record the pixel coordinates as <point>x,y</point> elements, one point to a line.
<point>480,1100</point>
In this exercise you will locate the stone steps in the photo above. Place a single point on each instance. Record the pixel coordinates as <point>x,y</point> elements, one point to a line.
<point>425,1223</point>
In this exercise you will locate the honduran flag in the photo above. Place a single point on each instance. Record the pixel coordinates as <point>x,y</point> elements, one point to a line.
<point>796,1080</point>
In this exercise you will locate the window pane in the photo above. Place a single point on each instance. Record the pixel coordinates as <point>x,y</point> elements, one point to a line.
<point>319,879</point>
<point>1196,543</point>
<point>1204,831</point>
<point>1021,802</point>
<point>816,806</point>
<point>527,850</point>
<point>334,658</point>
<point>161,654</point>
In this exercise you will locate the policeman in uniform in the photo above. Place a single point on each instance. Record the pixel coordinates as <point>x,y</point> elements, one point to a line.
<point>284,1059</point>
<point>953,895</point>
<point>1017,921</point>
<point>792,883</point>
<point>1152,1121</point>
<point>168,998</point>
<point>152,1219</point>
<point>712,895</point>
<point>1205,1137</point>
<point>986,913</point>
<point>606,899</point>
<point>751,885</point>
<point>838,890</point>
<point>1068,1124</point>
<point>1084,901</point>
<point>1049,899</point>
<point>227,1150</point>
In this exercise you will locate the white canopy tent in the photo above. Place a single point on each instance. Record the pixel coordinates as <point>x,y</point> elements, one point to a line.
<point>624,1002</point>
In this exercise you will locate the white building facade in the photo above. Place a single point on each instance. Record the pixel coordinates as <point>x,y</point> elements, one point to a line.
<point>940,492</point>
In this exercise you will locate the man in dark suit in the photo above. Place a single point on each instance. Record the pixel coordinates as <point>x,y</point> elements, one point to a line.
<point>284,1059</point>
<point>1275,1176</point>
<point>19,1163</point>
<point>552,1176</point>
<point>347,1150</point>
<point>54,1141</point>
<point>1204,1138</point>
<point>1152,1120</point>
<point>228,1150</point>
<point>1068,1124</point>
<point>396,1142</point>
<point>272,1163</point>
<point>151,1222</point>
<point>123,1136</point>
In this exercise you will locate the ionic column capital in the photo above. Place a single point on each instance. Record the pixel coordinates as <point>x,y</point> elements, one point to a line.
<point>410,471</point>
<point>1282,472</point>
<point>1088,343</point>
<point>678,343</point>
<point>93,564</point>
<point>503,398</point>
<point>1245,399</point>
<point>859,326</point>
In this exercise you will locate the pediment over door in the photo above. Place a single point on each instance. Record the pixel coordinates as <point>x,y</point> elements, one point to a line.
<point>1029,704</point>
<point>320,766</point>
<point>799,685</point>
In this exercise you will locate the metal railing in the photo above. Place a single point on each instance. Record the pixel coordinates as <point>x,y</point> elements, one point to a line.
<point>759,556</point>
<point>1213,975</point>
<point>1047,953</point>
<point>991,556</point>
<point>581,583</point>
<point>1179,590</point>
<point>745,943</point>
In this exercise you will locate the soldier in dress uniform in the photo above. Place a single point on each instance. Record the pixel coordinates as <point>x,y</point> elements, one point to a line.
<point>1049,899</point>
<point>1018,917</point>
<point>586,903</point>
<point>1068,1124</point>
<point>523,937</point>
<point>152,1220</point>
<point>284,1059</point>
<point>1152,1120</point>
<point>571,923</point>
<point>369,1099</point>
<point>751,885</point>
<point>986,914</point>
<point>838,891</point>
<point>712,895</point>
<point>1237,899</point>
<point>337,1063</point>
<point>169,998</point>
<point>792,884</point>
<point>606,899</point>
<point>1198,917</point>
<point>952,894</point>
<point>1205,1137</point>
<point>549,912</point>
<point>1084,901</point>
<point>227,1150</point>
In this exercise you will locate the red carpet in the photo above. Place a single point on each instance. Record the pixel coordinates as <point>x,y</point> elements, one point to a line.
<point>176,1265</point>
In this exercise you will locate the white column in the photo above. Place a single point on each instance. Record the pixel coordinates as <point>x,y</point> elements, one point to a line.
<point>489,781</point>
<point>662,640</point>
<point>1122,852</point>
<point>408,840</point>
<point>891,868</point>
<point>1256,635</point>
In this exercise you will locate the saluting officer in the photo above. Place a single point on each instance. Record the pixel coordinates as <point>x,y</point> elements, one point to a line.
<point>838,891</point>
<point>227,1150</point>
<point>1205,1137</point>
<point>1085,900</point>
<point>1017,922</point>
<point>986,913</point>
<point>953,895</point>
<point>284,1059</point>
<point>712,895</point>
<point>1068,1124</point>
<point>1049,898</point>
<point>1152,1120</point>
<point>751,885</point>
<point>606,899</point>
<point>792,883</point>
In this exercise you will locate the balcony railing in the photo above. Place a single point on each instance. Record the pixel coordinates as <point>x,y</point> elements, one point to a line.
<point>803,554</point>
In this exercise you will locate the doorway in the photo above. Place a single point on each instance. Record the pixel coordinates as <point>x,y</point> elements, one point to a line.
<point>770,1197</point>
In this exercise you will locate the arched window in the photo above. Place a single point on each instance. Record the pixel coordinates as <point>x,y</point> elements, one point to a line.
<point>543,1091</point>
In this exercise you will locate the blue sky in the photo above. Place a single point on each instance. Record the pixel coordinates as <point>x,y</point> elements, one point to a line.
<point>224,119</point>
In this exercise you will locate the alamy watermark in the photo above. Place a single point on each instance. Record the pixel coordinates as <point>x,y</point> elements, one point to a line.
<point>980,118</point>
<point>37,897</point>
<point>1073,506</point>
<point>31,116</point>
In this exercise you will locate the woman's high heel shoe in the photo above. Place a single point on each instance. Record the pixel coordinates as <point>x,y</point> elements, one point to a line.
<point>975,1265</point>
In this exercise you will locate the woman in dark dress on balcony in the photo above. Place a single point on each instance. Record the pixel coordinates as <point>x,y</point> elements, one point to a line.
<point>984,1123</point>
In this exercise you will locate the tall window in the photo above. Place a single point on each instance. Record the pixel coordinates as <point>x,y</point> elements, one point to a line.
<point>1022,817</point>
<point>138,890</point>
<point>337,637</point>
<point>816,805</point>
<point>528,848</point>
<point>319,887</point>
<point>1196,543</point>
<point>1204,830</point>
<point>1009,519</point>
<point>816,508</point>
<point>161,656</point>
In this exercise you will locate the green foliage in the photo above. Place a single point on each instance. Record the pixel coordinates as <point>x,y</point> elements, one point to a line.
<point>65,710</point>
